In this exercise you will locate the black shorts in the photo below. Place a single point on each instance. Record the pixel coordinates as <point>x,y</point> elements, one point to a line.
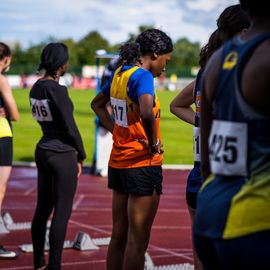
<point>191,199</point>
<point>6,151</point>
<point>140,181</point>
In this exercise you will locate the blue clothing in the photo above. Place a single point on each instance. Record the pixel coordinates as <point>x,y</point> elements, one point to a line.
<point>234,201</point>
<point>194,180</point>
<point>136,84</point>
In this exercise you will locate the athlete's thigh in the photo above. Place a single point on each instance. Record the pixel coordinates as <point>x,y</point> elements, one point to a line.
<point>141,214</point>
<point>245,253</point>
<point>119,214</point>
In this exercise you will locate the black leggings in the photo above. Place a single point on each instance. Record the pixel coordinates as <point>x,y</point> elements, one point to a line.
<point>57,182</point>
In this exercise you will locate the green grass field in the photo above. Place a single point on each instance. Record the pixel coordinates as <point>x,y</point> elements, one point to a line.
<point>176,135</point>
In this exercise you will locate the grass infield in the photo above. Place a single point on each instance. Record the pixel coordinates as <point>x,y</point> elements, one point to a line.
<point>176,134</point>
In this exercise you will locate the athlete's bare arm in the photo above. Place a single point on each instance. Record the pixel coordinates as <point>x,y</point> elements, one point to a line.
<point>98,105</point>
<point>11,109</point>
<point>181,104</point>
<point>209,82</point>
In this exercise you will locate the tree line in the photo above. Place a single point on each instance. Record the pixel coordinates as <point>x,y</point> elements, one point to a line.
<point>82,52</point>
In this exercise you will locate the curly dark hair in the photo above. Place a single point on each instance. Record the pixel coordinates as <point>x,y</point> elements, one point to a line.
<point>4,50</point>
<point>148,42</point>
<point>256,8</point>
<point>230,22</point>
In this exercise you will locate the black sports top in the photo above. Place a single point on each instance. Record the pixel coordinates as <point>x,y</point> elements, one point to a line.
<point>53,109</point>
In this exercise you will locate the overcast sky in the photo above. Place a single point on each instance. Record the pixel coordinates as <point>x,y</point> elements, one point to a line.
<point>33,21</point>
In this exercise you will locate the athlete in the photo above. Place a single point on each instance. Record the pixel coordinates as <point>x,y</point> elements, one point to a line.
<point>134,173</point>
<point>59,156</point>
<point>231,22</point>
<point>232,221</point>
<point>8,112</point>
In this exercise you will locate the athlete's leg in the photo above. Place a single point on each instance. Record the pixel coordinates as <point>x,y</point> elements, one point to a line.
<point>118,241</point>
<point>141,214</point>
<point>197,262</point>
<point>245,253</point>
<point>4,176</point>
<point>64,167</point>
<point>43,209</point>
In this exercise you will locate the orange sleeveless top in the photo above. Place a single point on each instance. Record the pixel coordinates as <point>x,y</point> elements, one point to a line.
<point>129,147</point>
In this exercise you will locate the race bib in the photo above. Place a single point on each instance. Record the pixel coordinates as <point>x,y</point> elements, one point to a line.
<point>228,148</point>
<point>119,108</point>
<point>196,143</point>
<point>41,110</point>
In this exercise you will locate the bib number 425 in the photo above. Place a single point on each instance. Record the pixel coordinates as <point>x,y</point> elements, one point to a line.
<point>228,148</point>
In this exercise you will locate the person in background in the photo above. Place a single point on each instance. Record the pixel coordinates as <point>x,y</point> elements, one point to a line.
<point>232,222</point>
<point>232,21</point>
<point>59,156</point>
<point>135,173</point>
<point>8,112</point>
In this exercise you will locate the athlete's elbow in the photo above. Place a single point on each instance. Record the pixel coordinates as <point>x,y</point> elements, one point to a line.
<point>172,108</point>
<point>15,117</point>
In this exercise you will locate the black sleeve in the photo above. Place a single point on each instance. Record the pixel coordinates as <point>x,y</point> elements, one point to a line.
<point>65,108</point>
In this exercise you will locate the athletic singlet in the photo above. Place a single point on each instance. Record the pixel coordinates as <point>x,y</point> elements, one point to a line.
<point>129,147</point>
<point>235,200</point>
<point>5,124</point>
<point>53,110</point>
<point>194,180</point>
<point>196,129</point>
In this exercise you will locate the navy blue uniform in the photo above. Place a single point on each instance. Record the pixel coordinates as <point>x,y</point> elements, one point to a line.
<point>233,205</point>
<point>194,180</point>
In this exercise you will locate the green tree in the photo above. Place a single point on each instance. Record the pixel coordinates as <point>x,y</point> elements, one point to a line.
<point>185,56</point>
<point>86,47</point>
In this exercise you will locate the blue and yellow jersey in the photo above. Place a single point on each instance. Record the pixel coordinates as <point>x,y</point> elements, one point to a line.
<point>235,200</point>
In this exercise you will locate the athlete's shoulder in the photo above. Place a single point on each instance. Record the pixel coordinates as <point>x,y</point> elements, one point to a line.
<point>3,80</point>
<point>141,74</point>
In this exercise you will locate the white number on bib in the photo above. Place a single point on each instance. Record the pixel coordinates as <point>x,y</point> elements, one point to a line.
<point>228,148</point>
<point>119,107</point>
<point>196,143</point>
<point>41,110</point>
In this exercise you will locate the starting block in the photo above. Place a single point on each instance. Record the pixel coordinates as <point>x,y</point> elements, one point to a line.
<point>8,224</point>
<point>3,228</point>
<point>149,265</point>
<point>82,242</point>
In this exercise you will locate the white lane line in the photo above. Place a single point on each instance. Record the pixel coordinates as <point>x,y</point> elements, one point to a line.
<point>77,202</point>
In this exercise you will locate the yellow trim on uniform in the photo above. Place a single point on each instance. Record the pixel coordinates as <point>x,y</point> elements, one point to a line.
<point>209,179</point>
<point>5,129</point>
<point>230,60</point>
<point>121,79</point>
<point>249,210</point>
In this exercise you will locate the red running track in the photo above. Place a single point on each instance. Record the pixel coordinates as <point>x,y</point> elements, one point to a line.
<point>170,241</point>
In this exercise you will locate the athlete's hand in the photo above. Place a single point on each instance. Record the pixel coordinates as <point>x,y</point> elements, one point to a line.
<point>153,149</point>
<point>156,149</point>
<point>79,165</point>
<point>3,112</point>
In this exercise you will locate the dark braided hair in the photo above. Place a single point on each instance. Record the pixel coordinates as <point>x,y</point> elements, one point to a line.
<point>53,56</point>
<point>4,50</point>
<point>230,22</point>
<point>256,8</point>
<point>148,42</point>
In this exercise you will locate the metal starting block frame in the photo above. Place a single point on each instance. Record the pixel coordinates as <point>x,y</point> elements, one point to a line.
<point>185,266</point>
<point>7,224</point>
<point>149,265</point>
<point>82,242</point>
